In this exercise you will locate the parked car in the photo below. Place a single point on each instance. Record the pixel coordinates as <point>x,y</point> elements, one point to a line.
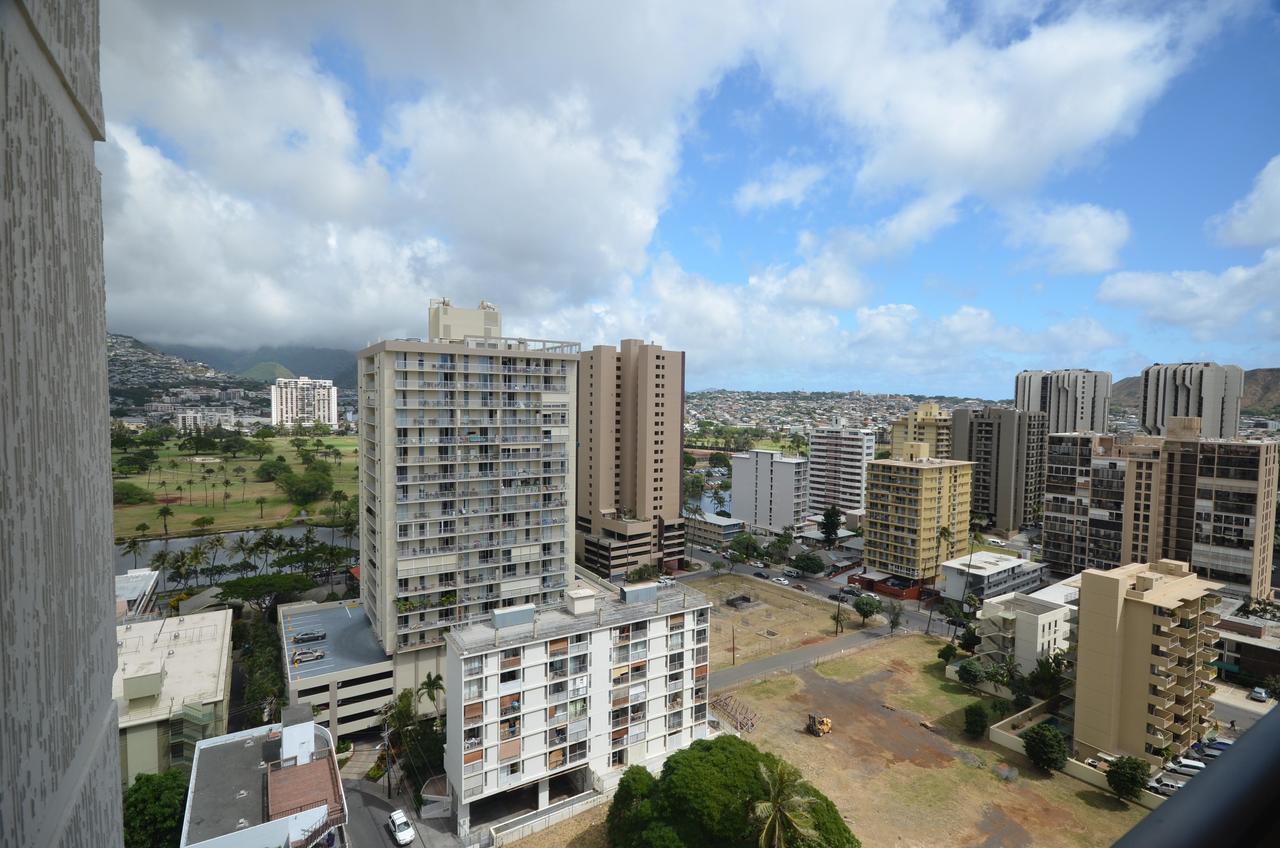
<point>801,587</point>
<point>763,575</point>
<point>1164,785</point>
<point>307,655</point>
<point>1209,753</point>
<point>999,543</point>
<point>401,831</point>
<point>1257,693</point>
<point>1185,766</point>
<point>837,597</point>
<point>665,581</point>
<point>782,581</point>
<point>1221,744</point>
<point>851,590</point>
<point>309,636</point>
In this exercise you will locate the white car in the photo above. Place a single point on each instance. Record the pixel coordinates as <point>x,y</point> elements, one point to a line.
<point>1164,785</point>
<point>401,831</point>
<point>782,581</point>
<point>665,581</point>
<point>999,543</point>
<point>1185,766</point>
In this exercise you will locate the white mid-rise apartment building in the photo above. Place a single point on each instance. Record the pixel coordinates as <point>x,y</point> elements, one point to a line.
<point>301,400</point>
<point>186,419</point>
<point>466,481</point>
<point>770,491</point>
<point>838,458</point>
<point>1026,628</point>
<point>567,699</point>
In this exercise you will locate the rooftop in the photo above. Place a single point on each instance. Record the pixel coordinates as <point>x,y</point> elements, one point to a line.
<point>987,563</point>
<point>609,611</point>
<point>168,662</point>
<point>132,589</point>
<point>478,345</point>
<point>1019,602</point>
<point>776,456</point>
<point>348,643</point>
<point>1063,592</point>
<point>1164,583</point>
<point>717,520</point>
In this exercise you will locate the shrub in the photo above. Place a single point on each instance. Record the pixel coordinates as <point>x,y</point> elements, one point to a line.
<point>947,652</point>
<point>969,673</point>
<point>1045,747</point>
<point>128,494</point>
<point>975,720</point>
<point>1128,776</point>
<point>969,640</point>
<point>1021,700</point>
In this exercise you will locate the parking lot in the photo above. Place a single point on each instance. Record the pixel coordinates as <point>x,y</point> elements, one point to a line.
<point>348,640</point>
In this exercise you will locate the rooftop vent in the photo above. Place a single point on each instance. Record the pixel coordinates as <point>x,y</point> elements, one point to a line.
<point>171,652</point>
<point>243,793</point>
<point>248,743</point>
<point>242,824</point>
<point>262,764</point>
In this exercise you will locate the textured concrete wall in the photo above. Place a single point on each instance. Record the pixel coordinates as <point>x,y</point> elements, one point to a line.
<point>59,770</point>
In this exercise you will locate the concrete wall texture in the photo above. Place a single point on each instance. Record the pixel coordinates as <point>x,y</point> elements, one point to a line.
<point>59,767</point>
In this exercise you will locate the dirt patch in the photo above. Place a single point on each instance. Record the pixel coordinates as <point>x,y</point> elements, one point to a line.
<point>585,830</point>
<point>777,619</point>
<point>997,830</point>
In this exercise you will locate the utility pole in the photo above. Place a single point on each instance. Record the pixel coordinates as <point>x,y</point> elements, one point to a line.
<point>386,750</point>
<point>733,652</point>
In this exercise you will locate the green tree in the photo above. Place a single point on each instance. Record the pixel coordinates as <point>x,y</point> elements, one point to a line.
<point>632,809</point>
<point>867,606</point>
<point>970,640</point>
<point>130,494</point>
<point>976,719</point>
<point>895,615</point>
<point>694,486</point>
<point>782,815</point>
<point>830,524</point>
<point>810,563</point>
<point>164,513</point>
<point>309,486</point>
<point>719,460</point>
<point>690,461</point>
<point>154,807</point>
<point>1046,747</point>
<point>1046,679</point>
<point>432,686</point>
<point>142,528</point>
<point>746,544</point>
<point>1272,685</point>
<point>1128,776</point>
<point>970,673</point>
<point>132,547</point>
<point>204,522</point>
<point>947,652</point>
<point>261,501</point>
<point>262,591</point>
<point>840,618</point>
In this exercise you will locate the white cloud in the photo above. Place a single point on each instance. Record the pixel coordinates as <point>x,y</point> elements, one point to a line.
<point>914,223</point>
<point>1255,219</point>
<point>1070,239</point>
<point>781,183</point>
<point>1212,306</point>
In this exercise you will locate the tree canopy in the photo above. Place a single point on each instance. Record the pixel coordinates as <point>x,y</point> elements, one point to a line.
<point>154,806</point>
<point>261,591</point>
<point>1128,776</point>
<point>830,525</point>
<point>1046,747</point>
<point>706,796</point>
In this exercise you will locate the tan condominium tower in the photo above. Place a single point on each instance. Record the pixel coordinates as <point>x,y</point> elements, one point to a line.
<point>1007,448</point>
<point>917,514</point>
<point>838,458</point>
<point>1073,400</point>
<point>1145,641</point>
<point>927,424</point>
<point>1204,390</point>
<point>1209,502</point>
<point>630,439</point>
<point>466,477</point>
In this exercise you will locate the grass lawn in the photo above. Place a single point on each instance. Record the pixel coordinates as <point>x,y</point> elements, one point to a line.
<point>899,783</point>
<point>200,498</point>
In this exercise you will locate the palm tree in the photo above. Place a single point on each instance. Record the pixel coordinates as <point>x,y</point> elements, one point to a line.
<point>261,501</point>
<point>133,546</point>
<point>191,490</point>
<point>197,556</point>
<point>216,544</point>
<point>242,547</point>
<point>432,686</point>
<point>337,496</point>
<point>783,814</point>
<point>164,513</point>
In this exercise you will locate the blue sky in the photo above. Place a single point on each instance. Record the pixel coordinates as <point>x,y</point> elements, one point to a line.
<point>916,197</point>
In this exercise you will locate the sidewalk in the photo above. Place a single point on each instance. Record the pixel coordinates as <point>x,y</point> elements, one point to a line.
<point>1238,696</point>
<point>363,757</point>
<point>727,678</point>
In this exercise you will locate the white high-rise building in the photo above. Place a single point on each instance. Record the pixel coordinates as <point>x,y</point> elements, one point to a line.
<point>301,400</point>
<point>467,481</point>
<point>770,491</point>
<point>838,458</point>
<point>1204,390</point>
<point>1075,400</point>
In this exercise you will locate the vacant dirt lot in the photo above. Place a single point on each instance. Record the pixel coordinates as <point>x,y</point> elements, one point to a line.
<point>899,784</point>
<point>778,619</point>
<point>585,830</point>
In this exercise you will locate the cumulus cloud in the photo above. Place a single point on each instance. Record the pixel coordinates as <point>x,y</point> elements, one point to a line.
<point>1255,219</point>
<point>1213,306</point>
<point>781,183</point>
<point>1071,239</point>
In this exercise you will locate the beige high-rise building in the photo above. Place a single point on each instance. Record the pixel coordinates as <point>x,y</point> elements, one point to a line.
<point>630,450</point>
<point>1145,641</point>
<point>1007,447</point>
<point>917,513</point>
<point>926,424</point>
<point>1073,400</point>
<point>1204,390</point>
<point>466,473</point>
<point>1209,502</point>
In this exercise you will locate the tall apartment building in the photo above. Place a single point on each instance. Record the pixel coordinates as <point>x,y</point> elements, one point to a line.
<point>573,696</point>
<point>59,766</point>
<point>303,401</point>
<point>1007,449</point>
<point>926,424</point>
<point>1204,390</point>
<point>466,477</point>
<point>630,449</point>
<point>917,514</point>
<point>770,491</point>
<point>1209,502</point>
<point>1073,400</point>
<point>1145,641</point>
<point>838,458</point>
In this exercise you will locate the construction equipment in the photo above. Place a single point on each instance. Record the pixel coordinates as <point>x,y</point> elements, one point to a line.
<point>819,725</point>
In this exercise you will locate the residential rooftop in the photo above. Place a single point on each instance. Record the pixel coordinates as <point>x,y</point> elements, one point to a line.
<point>712,518</point>
<point>1019,602</point>
<point>1063,592</point>
<point>348,643</point>
<point>168,662</point>
<point>480,346</point>
<point>134,589</point>
<point>987,563</point>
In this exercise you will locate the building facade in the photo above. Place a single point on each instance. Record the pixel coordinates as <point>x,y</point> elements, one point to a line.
<point>1025,628</point>
<point>1204,390</point>
<point>187,419</point>
<point>172,687</point>
<point>1007,448</point>
<point>712,530</point>
<point>1073,400</point>
<point>629,464</point>
<point>59,765</point>
<point>988,574</point>
<point>1143,659</point>
<point>466,482</point>
<point>566,700</point>
<point>770,491</point>
<point>917,514</point>
<point>302,401</point>
<point>927,424</point>
<point>838,458</point>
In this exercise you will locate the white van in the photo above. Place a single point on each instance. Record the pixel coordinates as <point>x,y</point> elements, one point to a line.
<point>792,572</point>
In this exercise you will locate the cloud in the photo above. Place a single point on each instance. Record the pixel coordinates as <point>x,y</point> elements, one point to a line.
<point>1070,239</point>
<point>1211,306</point>
<point>914,223</point>
<point>782,183</point>
<point>1255,219</point>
